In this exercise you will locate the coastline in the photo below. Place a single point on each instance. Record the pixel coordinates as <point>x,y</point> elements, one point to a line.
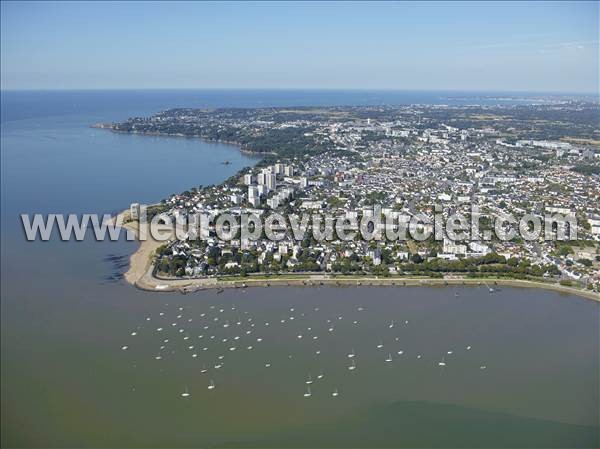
<point>141,275</point>
<point>141,268</point>
<point>108,126</point>
<point>141,260</point>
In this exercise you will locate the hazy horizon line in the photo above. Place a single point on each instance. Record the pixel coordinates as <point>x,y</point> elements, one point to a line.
<point>339,89</point>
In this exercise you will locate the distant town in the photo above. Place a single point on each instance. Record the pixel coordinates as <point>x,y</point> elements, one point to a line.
<point>516,159</point>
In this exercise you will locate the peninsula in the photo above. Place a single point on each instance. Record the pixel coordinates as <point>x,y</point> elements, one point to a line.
<point>534,159</point>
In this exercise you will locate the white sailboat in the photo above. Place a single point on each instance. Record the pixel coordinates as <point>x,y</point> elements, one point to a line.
<point>352,354</point>
<point>308,393</point>
<point>309,380</point>
<point>335,393</point>
<point>211,385</point>
<point>186,393</point>
<point>353,366</point>
<point>389,358</point>
<point>443,362</point>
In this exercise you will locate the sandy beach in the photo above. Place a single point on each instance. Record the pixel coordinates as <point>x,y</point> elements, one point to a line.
<point>141,261</point>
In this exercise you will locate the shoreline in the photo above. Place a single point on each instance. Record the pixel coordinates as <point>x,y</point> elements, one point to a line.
<point>141,275</point>
<point>241,148</point>
<point>141,260</point>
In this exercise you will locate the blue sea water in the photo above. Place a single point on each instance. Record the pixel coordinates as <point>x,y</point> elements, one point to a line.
<point>54,162</point>
<point>120,104</point>
<point>65,313</point>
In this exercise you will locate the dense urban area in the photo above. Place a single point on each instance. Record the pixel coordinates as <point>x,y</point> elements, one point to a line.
<point>518,159</point>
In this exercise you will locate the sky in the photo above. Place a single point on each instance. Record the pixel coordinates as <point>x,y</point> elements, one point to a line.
<point>464,46</point>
